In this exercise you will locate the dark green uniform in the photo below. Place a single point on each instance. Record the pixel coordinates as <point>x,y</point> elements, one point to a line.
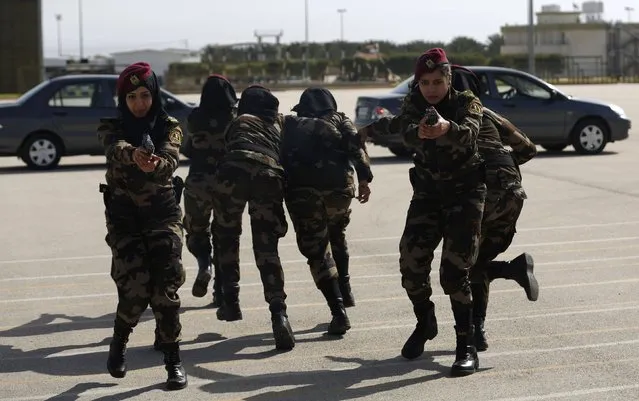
<point>251,173</point>
<point>447,203</point>
<point>206,149</point>
<point>504,203</point>
<point>317,154</point>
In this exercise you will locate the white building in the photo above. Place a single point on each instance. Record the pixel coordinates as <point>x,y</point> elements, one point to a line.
<point>160,60</point>
<point>591,45</point>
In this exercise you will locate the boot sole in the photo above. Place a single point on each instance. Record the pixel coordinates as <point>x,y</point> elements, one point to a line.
<point>201,284</point>
<point>172,386</point>
<point>116,374</point>
<point>462,373</point>
<point>532,287</point>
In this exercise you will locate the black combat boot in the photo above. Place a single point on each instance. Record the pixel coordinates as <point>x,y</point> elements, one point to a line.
<point>426,329</point>
<point>480,303</point>
<point>217,288</point>
<point>344,281</point>
<point>282,331</point>
<point>204,274</point>
<point>176,379</point>
<point>157,344</point>
<point>481,342</point>
<point>339,324</point>
<point>116,363</point>
<point>230,309</point>
<point>466,359</point>
<point>520,269</point>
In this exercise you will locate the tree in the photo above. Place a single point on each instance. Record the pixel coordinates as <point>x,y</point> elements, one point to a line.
<point>495,42</point>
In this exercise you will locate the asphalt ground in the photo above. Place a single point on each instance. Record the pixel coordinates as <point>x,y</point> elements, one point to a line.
<point>577,342</point>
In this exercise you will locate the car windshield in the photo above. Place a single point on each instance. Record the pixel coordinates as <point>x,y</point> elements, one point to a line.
<point>404,87</point>
<point>31,91</point>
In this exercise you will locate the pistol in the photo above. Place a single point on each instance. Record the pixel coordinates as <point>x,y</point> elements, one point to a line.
<point>431,116</point>
<point>147,144</point>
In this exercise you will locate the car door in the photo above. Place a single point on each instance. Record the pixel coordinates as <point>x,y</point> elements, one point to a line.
<point>76,108</point>
<point>527,103</point>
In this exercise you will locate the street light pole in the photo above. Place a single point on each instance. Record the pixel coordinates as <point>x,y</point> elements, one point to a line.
<point>58,18</point>
<point>306,51</point>
<point>341,12</point>
<point>81,37</point>
<point>531,39</point>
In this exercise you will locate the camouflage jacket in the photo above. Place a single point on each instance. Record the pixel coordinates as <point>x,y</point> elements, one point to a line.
<point>523,149</point>
<point>250,138</point>
<point>123,176</point>
<point>318,152</point>
<point>205,143</point>
<point>449,157</point>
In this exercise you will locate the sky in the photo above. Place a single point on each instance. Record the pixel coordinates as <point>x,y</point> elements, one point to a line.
<point>117,25</point>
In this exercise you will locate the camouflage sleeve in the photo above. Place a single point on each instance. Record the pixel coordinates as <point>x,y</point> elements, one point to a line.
<point>115,147</point>
<point>523,148</point>
<point>169,152</point>
<point>356,150</point>
<point>465,130</point>
<point>406,123</point>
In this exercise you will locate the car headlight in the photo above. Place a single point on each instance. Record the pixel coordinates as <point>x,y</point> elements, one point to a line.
<point>618,110</point>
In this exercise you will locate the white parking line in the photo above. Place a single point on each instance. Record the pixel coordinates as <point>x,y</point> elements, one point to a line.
<point>574,393</point>
<point>353,240</point>
<point>113,294</point>
<point>378,255</point>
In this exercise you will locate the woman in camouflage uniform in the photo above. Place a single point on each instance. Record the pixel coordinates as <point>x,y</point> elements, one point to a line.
<point>205,148</point>
<point>143,217</point>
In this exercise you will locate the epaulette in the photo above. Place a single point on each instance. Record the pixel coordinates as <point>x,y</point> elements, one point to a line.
<point>172,120</point>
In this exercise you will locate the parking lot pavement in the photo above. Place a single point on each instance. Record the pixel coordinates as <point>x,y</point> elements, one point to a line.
<point>578,342</point>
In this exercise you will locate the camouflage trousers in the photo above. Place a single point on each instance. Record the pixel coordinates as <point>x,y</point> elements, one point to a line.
<point>320,219</point>
<point>199,218</point>
<point>236,184</point>
<point>146,266</point>
<point>454,217</point>
<point>502,210</point>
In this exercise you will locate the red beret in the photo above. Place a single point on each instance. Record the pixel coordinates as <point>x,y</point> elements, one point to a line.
<point>431,60</point>
<point>135,76</point>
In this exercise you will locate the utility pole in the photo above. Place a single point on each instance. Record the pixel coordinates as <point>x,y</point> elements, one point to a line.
<point>306,51</point>
<point>58,18</point>
<point>341,12</point>
<point>531,39</point>
<point>80,18</point>
<point>629,10</point>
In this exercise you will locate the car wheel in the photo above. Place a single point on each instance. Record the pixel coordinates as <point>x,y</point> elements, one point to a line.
<point>401,151</point>
<point>554,148</point>
<point>41,151</point>
<point>590,136</point>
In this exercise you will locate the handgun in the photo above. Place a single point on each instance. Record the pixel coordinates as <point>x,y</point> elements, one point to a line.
<point>431,116</point>
<point>147,144</point>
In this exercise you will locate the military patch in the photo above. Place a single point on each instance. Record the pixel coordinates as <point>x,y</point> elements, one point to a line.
<point>135,80</point>
<point>176,136</point>
<point>474,107</point>
<point>430,64</point>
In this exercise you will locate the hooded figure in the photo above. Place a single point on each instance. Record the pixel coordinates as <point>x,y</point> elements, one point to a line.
<point>143,216</point>
<point>320,147</point>
<point>260,102</point>
<point>315,102</point>
<point>207,124</point>
<point>251,173</point>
